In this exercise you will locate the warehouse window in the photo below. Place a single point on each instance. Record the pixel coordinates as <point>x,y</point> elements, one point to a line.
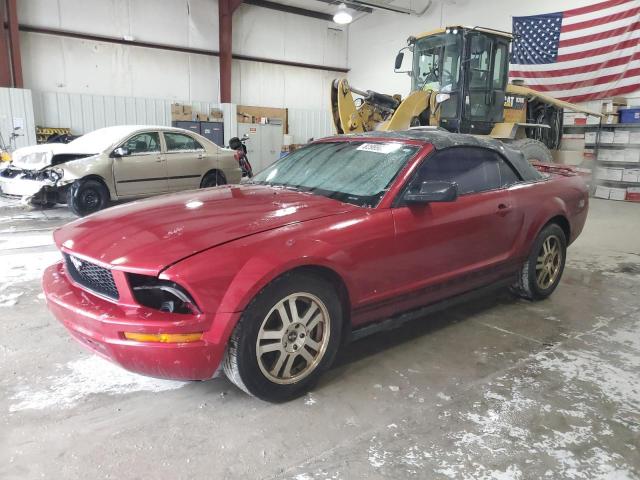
<point>178,142</point>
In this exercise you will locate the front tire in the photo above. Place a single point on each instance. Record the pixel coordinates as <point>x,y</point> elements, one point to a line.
<point>542,271</point>
<point>287,337</point>
<point>87,196</point>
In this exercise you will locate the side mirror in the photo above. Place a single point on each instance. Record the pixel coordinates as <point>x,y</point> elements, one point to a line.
<point>432,192</point>
<point>120,152</point>
<point>399,58</point>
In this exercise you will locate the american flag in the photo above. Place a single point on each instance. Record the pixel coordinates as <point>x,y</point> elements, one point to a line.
<point>580,54</point>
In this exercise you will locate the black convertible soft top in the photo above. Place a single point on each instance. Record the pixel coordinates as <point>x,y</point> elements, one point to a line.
<point>441,139</point>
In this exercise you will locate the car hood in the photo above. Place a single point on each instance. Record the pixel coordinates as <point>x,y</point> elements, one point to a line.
<point>149,235</point>
<point>38,157</point>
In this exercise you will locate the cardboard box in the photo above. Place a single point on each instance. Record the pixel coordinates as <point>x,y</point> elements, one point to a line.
<point>181,117</point>
<point>176,108</point>
<point>606,137</point>
<point>616,156</point>
<point>633,194</point>
<point>631,155</point>
<point>621,136</point>
<point>617,193</point>
<point>602,191</point>
<point>610,119</point>
<point>631,175</point>
<point>575,118</point>
<point>202,117</point>
<point>215,113</point>
<point>187,109</point>
<point>609,108</point>
<point>590,137</point>
<point>604,155</point>
<point>612,174</point>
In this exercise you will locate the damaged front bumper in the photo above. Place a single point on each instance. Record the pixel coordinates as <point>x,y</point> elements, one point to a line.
<point>31,186</point>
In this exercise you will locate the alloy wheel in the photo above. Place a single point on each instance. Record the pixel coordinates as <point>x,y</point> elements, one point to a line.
<point>549,262</point>
<point>293,338</point>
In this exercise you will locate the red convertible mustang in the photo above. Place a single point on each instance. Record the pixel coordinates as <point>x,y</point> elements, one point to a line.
<point>345,236</point>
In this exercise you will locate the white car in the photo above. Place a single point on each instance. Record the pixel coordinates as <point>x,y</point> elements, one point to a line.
<point>116,163</point>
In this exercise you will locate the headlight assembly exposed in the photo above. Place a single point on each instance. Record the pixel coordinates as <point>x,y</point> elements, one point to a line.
<point>55,174</point>
<point>162,295</point>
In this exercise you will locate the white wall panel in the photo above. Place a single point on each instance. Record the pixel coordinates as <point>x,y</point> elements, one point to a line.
<point>307,124</point>
<point>16,105</point>
<point>56,64</point>
<point>84,113</point>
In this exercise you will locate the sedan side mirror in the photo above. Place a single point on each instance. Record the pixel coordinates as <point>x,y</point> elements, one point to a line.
<point>432,192</point>
<point>120,152</point>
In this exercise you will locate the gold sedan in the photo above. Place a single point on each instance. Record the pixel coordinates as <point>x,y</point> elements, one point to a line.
<point>117,163</point>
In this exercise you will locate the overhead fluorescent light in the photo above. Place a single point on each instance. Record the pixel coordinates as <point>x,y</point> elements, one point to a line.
<point>342,16</point>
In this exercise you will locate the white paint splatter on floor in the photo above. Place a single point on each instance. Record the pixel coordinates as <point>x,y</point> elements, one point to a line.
<point>81,378</point>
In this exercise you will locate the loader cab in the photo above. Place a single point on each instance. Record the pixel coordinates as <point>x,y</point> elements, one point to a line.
<point>468,68</point>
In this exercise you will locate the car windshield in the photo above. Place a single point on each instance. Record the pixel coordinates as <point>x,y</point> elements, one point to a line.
<point>353,172</point>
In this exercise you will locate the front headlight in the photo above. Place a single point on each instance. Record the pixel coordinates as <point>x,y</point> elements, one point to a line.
<point>55,174</point>
<point>162,295</point>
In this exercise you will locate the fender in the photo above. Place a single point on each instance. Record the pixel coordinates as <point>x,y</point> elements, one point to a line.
<point>551,207</point>
<point>258,272</point>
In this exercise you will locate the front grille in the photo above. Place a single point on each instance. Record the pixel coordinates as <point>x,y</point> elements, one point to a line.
<point>91,276</point>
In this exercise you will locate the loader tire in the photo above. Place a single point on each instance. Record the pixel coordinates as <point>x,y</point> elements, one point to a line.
<point>533,150</point>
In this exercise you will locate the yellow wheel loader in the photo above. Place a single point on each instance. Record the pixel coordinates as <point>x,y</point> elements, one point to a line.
<point>459,82</point>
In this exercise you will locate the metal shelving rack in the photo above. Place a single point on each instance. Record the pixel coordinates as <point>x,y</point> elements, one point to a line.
<point>599,128</point>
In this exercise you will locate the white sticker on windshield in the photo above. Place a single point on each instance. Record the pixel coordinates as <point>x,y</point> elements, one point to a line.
<point>380,147</point>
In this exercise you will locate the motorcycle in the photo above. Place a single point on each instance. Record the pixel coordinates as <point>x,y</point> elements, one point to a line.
<point>239,145</point>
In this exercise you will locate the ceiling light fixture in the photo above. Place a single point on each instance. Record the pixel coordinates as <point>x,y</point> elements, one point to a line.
<point>342,17</point>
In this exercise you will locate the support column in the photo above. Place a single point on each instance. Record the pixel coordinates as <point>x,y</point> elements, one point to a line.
<point>225,19</point>
<point>14,43</point>
<point>5,66</point>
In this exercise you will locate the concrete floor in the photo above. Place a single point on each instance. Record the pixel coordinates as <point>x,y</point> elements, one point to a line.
<point>496,389</point>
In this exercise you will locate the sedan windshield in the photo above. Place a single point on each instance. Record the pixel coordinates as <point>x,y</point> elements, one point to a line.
<point>353,172</point>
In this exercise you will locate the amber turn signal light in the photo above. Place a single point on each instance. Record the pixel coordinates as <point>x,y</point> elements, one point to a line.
<point>164,337</point>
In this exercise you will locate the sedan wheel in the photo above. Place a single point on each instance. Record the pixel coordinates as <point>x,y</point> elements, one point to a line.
<point>293,338</point>
<point>287,337</point>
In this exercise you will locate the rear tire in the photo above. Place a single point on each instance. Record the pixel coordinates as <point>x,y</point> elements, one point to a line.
<point>87,196</point>
<point>533,150</point>
<point>277,354</point>
<point>213,179</point>
<point>542,271</point>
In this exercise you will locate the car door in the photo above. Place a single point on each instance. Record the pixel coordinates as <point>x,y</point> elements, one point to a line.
<point>442,249</point>
<point>143,170</point>
<point>186,162</point>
